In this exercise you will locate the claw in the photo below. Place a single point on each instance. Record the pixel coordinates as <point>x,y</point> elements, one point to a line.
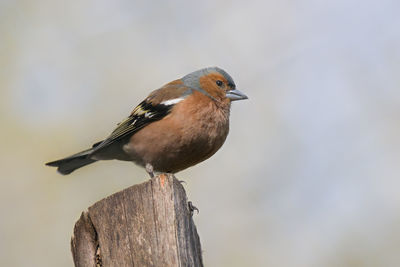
<point>150,170</point>
<point>192,208</point>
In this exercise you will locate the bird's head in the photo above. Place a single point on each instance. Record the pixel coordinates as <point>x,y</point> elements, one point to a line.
<point>214,82</point>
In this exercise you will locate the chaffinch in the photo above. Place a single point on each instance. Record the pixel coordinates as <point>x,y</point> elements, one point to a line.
<point>177,126</point>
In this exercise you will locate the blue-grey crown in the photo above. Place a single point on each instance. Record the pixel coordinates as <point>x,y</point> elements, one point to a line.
<point>192,79</point>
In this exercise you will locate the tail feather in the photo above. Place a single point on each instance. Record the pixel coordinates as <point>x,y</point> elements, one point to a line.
<point>71,163</point>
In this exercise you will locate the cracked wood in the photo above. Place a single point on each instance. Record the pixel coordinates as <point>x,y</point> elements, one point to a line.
<point>144,225</point>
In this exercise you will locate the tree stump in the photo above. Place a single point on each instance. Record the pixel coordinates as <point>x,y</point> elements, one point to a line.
<point>148,224</point>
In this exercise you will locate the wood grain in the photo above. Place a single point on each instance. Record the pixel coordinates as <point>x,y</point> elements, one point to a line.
<point>144,225</point>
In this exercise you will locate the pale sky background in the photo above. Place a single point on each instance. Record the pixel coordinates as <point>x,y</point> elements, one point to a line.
<point>309,174</point>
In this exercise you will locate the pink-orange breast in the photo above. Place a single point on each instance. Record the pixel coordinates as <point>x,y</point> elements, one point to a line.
<point>194,130</point>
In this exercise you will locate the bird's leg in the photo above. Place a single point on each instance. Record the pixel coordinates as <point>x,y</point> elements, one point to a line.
<point>150,170</point>
<point>192,208</point>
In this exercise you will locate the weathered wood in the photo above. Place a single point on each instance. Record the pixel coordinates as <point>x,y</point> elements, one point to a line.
<point>84,242</point>
<point>144,225</point>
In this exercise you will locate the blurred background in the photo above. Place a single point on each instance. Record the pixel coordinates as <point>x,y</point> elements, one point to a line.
<point>309,175</point>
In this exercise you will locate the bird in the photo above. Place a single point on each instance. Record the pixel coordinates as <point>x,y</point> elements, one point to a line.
<point>177,126</point>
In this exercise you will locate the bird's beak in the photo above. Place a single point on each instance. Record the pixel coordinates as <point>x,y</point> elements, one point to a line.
<point>234,95</point>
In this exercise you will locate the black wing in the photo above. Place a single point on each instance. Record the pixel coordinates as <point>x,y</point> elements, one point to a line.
<point>141,116</point>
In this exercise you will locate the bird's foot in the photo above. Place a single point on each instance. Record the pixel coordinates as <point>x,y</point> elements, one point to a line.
<point>192,208</point>
<point>150,170</point>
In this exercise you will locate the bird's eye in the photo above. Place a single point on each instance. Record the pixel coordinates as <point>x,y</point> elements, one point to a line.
<point>219,83</point>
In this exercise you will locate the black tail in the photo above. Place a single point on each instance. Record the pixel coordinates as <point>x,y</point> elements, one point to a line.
<point>71,163</point>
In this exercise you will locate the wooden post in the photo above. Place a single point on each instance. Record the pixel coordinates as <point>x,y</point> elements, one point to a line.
<point>148,224</point>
